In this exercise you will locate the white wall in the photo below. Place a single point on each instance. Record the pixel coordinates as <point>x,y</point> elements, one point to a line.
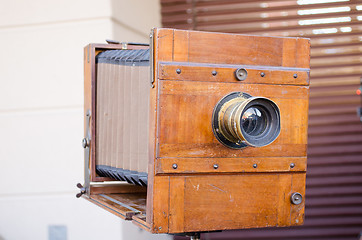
<point>41,104</point>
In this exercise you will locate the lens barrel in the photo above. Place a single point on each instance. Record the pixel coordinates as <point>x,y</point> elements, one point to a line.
<point>240,120</point>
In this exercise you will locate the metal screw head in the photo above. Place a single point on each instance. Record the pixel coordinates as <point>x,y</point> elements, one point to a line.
<point>295,75</point>
<point>292,165</point>
<point>213,73</point>
<point>241,74</point>
<point>262,74</point>
<point>174,166</point>
<point>296,198</point>
<point>216,166</point>
<point>178,71</point>
<point>255,165</point>
<point>159,228</point>
<point>85,142</point>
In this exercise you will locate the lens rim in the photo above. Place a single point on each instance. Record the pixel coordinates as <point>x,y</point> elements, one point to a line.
<point>218,129</point>
<point>272,128</point>
<point>238,138</point>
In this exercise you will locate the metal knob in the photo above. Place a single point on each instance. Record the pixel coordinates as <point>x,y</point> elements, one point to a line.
<point>241,74</point>
<point>296,198</point>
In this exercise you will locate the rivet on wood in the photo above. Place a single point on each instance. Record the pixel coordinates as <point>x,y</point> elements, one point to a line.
<point>216,166</point>
<point>178,71</point>
<point>295,75</point>
<point>292,165</point>
<point>174,166</point>
<point>255,165</point>
<point>214,73</point>
<point>159,228</point>
<point>262,74</point>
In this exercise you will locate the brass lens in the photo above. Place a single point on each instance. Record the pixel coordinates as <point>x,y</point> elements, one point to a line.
<point>240,120</point>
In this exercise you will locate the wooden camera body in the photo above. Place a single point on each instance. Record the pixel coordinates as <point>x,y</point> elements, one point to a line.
<point>209,131</point>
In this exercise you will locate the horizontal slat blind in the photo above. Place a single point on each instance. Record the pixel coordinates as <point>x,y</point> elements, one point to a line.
<point>334,175</point>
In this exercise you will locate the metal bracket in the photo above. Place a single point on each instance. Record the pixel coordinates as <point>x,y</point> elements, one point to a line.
<point>86,145</point>
<point>151,59</point>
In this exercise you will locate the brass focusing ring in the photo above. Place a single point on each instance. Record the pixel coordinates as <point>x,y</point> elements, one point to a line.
<point>240,120</point>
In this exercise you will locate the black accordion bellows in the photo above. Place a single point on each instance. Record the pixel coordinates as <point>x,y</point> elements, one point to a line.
<point>123,83</point>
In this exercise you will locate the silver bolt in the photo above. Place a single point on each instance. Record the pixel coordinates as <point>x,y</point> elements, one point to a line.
<point>178,71</point>
<point>174,166</point>
<point>216,166</point>
<point>255,165</point>
<point>292,165</point>
<point>262,74</point>
<point>213,73</point>
<point>295,75</point>
<point>159,228</point>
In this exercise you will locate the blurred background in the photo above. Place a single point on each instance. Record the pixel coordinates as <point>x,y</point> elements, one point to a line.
<point>41,107</point>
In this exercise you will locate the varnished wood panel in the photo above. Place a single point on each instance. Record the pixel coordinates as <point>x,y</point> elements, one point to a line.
<point>177,204</point>
<point>161,201</point>
<point>185,101</point>
<point>230,165</point>
<point>185,119</point>
<point>158,187</point>
<point>297,211</point>
<point>219,48</point>
<point>181,46</point>
<point>226,73</point>
<point>256,200</point>
<point>243,49</point>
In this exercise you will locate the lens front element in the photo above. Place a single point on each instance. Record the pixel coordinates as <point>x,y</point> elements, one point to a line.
<point>253,121</point>
<point>240,120</point>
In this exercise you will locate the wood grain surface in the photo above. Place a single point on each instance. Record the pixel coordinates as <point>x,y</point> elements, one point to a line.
<point>221,202</point>
<point>236,194</point>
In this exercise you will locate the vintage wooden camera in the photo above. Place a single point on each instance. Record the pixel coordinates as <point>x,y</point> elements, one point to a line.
<point>198,131</point>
